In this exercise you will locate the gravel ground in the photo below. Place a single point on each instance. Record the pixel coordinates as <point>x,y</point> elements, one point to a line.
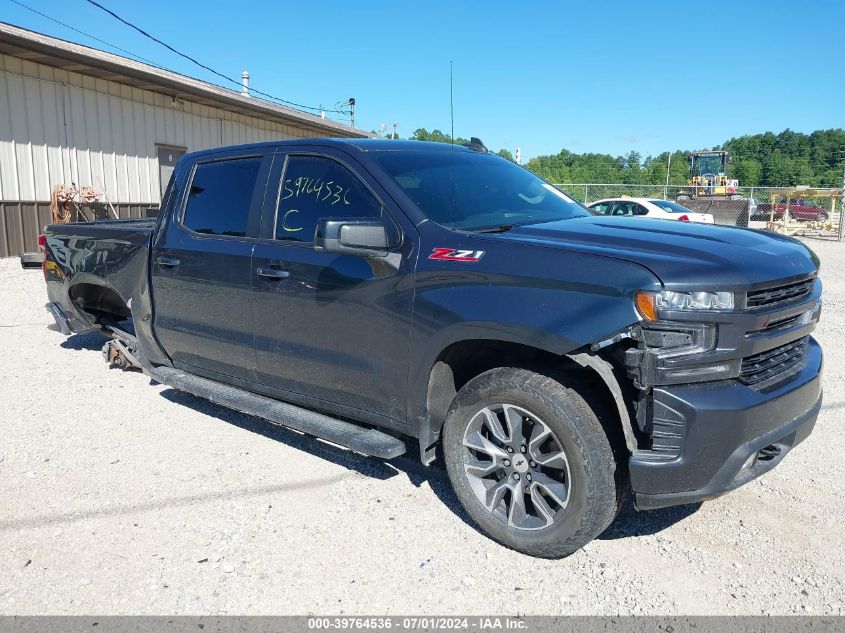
<point>122,497</point>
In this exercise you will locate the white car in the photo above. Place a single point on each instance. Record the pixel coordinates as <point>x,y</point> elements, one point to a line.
<point>648,207</point>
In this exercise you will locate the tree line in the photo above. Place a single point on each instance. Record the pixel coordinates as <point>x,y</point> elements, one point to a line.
<point>768,160</point>
<point>759,160</point>
<point>437,136</point>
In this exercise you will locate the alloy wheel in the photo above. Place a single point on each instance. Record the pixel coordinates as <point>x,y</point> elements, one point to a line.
<point>517,467</point>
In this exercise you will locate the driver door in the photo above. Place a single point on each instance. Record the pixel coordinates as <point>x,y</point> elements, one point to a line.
<point>329,327</point>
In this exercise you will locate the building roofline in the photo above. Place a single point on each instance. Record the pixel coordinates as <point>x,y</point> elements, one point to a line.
<point>51,51</point>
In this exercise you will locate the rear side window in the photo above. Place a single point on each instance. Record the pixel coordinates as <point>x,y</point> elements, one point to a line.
<point>220,197</point>
<point>626,208</point>
<point>314,189</point>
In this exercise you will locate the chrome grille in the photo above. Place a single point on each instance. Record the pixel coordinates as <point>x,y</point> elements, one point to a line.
<point>767,365</point>
<point>788,292</point>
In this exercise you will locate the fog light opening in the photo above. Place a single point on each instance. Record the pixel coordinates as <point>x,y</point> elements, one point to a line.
<point>768,454</point>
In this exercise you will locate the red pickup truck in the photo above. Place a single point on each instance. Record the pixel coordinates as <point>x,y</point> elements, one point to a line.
<point>799,209</point>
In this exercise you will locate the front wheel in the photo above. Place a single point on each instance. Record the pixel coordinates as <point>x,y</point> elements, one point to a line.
<point>530,462</point>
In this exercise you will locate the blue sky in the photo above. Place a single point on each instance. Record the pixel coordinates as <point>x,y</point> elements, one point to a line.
<point>590,76</point>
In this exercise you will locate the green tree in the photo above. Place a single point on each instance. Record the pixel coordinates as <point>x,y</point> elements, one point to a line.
<point>504,153</point>
<point>436,136</point>
<point>748,171</point>
<point>779,170</point>
<point>768,159</point>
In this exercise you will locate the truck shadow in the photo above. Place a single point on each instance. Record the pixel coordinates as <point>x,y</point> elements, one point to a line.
<point>629,523</point>
<point>369,466</point>
<point>91,341</point>
<point>381,469</point>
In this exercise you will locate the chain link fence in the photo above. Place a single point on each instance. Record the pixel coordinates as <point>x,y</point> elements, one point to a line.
<point>748,206</point>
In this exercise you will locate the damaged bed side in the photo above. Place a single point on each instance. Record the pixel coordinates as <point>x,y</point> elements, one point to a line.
<point>101,270</point>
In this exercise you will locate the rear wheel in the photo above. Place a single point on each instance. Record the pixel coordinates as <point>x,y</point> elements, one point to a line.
<point>530,462</point>
<point>823,217</point>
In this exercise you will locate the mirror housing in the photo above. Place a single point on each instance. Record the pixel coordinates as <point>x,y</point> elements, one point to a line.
<point>353,237</point>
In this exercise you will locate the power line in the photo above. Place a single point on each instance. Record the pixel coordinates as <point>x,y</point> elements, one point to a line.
<point>200,64</point>
<point>152,63</point>
<point>93,37</point>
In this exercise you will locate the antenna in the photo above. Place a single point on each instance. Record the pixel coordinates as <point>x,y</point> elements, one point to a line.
<point>451,102</point>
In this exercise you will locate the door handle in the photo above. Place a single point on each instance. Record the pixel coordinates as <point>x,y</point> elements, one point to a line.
<point>167,262</point>
<point>273,273</point>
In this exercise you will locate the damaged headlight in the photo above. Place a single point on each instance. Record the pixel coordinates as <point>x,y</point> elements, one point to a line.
<point>649,303</point>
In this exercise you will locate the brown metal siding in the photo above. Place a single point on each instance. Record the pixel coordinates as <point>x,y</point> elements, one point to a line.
<point>22,222</point>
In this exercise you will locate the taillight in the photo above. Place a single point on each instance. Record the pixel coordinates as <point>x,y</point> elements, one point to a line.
<point>42,246</point>
<point>683,218</point>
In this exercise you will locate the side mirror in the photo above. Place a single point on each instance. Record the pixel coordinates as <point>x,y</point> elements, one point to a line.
<point>352,237</point>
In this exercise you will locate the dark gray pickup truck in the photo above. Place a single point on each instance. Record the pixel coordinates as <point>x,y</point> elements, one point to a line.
<point>382,293</point>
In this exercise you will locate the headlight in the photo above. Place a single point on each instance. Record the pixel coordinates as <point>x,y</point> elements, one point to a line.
<point>669,300</point>
<point>648,303</point>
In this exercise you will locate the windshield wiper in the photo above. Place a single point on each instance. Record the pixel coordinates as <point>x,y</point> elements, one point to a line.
<point>502,228</point>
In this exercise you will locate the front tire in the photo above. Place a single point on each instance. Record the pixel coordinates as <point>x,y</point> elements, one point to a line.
<point>530,462</point>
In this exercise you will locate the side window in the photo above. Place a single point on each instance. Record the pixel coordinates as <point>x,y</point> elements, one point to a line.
<point>220,197</point>
<point>601,208</point>
<point>640,210</point>
<point>622,208</point>
<point>315,188</point>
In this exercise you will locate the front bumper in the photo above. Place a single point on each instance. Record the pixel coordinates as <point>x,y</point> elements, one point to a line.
<point>728,434</point>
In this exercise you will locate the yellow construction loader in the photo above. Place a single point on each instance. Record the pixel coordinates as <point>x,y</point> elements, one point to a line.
<point>711,191</point>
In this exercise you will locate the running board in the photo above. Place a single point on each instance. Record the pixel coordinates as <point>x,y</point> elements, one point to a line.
<point>354,437</point>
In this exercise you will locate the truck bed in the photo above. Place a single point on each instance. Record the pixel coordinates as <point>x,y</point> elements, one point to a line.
<point>102,228</point>
<point>100,266</point>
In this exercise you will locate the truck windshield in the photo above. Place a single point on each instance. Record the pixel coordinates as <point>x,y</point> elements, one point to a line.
<point>474,191</point>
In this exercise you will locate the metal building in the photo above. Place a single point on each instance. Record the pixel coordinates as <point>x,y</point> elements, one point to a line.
<point>70,114</point>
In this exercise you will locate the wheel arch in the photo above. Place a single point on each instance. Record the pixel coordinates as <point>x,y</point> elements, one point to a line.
<point>93,296</point>
<point>463,359</point>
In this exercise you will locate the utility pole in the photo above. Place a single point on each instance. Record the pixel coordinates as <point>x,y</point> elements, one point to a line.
<point>666,188</point>
<point>352,110</point>
<point>842,206</point>
<point>393,135</point>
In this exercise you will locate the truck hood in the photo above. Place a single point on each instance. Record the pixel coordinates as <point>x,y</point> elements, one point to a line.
<point>683,255</point>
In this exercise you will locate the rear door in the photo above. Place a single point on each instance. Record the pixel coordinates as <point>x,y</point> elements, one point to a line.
<point>202,264</point>
<point>331,327</point>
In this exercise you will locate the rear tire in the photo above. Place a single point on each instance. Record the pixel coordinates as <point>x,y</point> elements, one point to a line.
<point>530,462</point>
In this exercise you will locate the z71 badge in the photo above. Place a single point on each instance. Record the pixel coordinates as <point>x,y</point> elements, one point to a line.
<point>455,255</point>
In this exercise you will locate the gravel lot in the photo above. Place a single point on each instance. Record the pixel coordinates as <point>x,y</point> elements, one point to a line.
<point>120,497</point>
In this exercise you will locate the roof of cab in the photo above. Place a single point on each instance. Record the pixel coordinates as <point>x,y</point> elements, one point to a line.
<point>362,145</point>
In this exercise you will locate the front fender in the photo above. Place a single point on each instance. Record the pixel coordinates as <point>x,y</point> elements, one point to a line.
<point>578,300</point>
